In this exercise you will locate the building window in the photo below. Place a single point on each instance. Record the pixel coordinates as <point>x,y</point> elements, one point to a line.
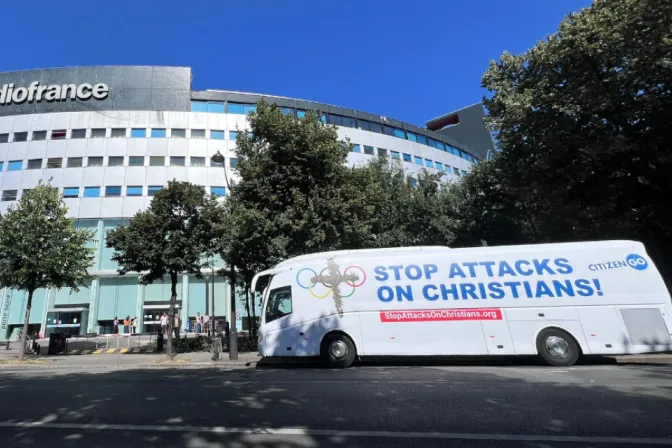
<point>157,161</point>
<point>440,146</point>
<point>20,136</point>
<point>2,164</point>
<point>375,127</point>
<point>464,173</point>
<point>15,165</point>
<point>456,172</point>
<point>400,133</point>
<point>4,138</point>
<point>414,182</point>
<point>336,120</point>
<point>197,161</point>
<point>348,122</point>
<point>439,166</point>
<point>207,106</point>
<point>74,162</point>
<point>233,135</point>
<point>78,133</point>
<point>368,150</point>
<point>363,125</point>
<point>39,135</point>
<point>100,132</point>
<point>153,189</point>
<point>134,191</point>
<point>158,133</point>
<point>382,152</point>
<point>34,164</point>
<point>199,106</point>
<point>287,110</point>
<point>92,192</point>
<point>136,161</point>
<point>388,130</point>
<point>178,133</point>
<point>198,133</point>
<point>407,157</point>
<point>59,134</point>
<point>9,195</point>
<point>356,148</point>
<point>95,161</point>
<point>138,133</point>
<point>447,169</point>
<point>118,133</point>
<point>431,142</point>
<point>417,160</point>
<point>54,163</point>
<point>218,191</point>
<point>241,108</point>
<point>115,161</point>
<point>177,161</point>
<point>217,135</point>
<point>422,139</point>
<point>71,192</point>
<point>300,113</point>
<point>113,191</point>
<point>469,157</point>
<point>429,163</point>
<point>233,162</point>
<point>395,155</point>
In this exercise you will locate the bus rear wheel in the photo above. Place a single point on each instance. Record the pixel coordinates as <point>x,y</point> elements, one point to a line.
<point>557,347</point>
<point>338,350</point>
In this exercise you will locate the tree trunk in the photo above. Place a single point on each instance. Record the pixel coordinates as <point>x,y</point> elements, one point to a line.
<point>171,312</point>
<point>24,333</point>
<point>233,331</point>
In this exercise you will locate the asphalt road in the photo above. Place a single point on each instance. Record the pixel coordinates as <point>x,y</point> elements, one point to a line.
<point>402,406</point>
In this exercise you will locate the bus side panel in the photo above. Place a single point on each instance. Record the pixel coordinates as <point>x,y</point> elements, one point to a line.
<point>604,330</point>
<point>421,338</point>
<point>524,334</point>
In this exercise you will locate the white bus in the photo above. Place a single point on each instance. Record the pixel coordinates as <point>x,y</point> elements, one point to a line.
<point>558,301</point>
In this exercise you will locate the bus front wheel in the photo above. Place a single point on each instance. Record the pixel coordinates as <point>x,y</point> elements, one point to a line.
<point>557,347</point>
<point>338,350</point>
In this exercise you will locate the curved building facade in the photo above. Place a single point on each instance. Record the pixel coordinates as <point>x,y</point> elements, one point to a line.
<point>111,137</point>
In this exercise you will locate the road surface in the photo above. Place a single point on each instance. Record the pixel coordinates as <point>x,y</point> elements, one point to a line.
<point>401,406</point>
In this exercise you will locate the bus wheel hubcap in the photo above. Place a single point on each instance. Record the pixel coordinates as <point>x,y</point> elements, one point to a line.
<point>338,349</point>
<point>557,347</point>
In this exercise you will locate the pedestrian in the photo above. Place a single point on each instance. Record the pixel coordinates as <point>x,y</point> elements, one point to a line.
<point>127,325</point>
<point>164,324</point>
<point>134,325</point>
<point>116,325</point>
<point>206,324</point>
<point>199,322</point>
<point>176,325</point>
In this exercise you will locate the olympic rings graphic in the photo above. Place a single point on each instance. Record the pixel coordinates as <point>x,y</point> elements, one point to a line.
<point>330,278</point>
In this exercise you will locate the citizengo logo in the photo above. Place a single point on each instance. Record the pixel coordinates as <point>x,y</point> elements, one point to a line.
<point>637,262</point>
<point>633,260</point>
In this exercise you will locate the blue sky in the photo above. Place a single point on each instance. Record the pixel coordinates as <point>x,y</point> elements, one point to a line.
<point>410,60</point>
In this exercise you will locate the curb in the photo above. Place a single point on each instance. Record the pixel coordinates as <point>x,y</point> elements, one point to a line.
<point>193,365</point>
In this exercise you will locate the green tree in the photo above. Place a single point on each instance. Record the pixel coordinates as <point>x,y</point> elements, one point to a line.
<point>171,237</point>
<point>40,248</point>
<point>582,121</point>
<point>406,210</point>
<point>292,196</point>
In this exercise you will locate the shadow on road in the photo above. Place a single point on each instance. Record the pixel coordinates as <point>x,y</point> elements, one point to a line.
<point>185,407</point>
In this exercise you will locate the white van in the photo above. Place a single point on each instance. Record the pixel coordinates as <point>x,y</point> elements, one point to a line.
<point>555,300</point>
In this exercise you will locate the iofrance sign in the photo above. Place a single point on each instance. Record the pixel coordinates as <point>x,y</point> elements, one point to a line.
<point>9,94</point>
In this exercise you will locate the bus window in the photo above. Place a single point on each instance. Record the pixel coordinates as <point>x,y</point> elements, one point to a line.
<point>279,303</point>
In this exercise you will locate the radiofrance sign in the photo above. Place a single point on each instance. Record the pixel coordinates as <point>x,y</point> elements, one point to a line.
<point>9,94</point>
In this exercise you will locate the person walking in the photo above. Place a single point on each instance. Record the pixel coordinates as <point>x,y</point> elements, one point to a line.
<point>176,325</point>
<point>134,325</point>
<point>127,325</point>
<point>116,325</point>
<point>164,324</point>
<point>199,322</point>
<point>206,324</point>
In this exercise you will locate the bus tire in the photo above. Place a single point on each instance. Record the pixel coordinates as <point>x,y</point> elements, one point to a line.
<point>338,350</point>
<point>557,347</point>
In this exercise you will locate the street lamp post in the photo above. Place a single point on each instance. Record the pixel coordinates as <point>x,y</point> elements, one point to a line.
<point>218,159</point>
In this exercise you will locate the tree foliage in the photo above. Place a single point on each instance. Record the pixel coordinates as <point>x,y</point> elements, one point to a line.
<point>582,121</point>
<point>171,237</point>
<point>41,248</point>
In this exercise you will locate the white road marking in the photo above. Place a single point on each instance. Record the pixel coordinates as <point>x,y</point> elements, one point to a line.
<point>341,433</point>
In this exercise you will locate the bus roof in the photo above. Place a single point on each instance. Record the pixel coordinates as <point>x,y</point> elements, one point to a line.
<point>302,259</point>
